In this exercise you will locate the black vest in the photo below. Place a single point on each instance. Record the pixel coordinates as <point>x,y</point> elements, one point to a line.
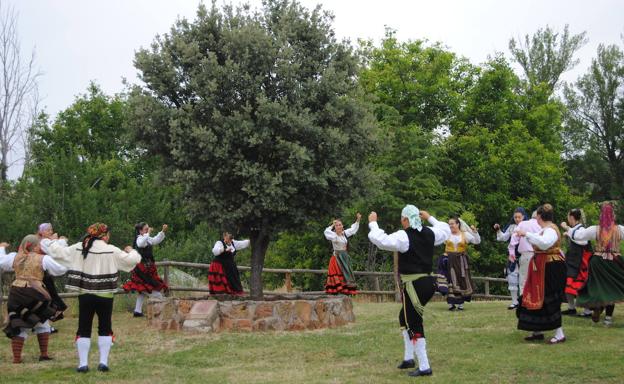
<point>226,255</point>
<point>419,256</point>
<point>146,253</point>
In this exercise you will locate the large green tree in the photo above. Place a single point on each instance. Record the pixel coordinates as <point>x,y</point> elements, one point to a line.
<point>260,116</point>
<point>594,130</point>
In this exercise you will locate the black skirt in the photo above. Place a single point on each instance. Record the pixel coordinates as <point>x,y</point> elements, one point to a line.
<point>549,316</point>
<point>26,308</point>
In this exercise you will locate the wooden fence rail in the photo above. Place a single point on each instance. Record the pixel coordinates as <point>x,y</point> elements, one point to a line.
<point>287,272</point>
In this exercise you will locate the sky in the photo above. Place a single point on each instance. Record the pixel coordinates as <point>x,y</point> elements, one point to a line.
<point>78,41</point>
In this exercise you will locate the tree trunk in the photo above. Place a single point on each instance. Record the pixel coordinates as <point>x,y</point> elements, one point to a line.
<point>259,244</point>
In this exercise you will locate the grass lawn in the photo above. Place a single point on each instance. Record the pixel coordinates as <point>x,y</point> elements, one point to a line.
<point>479,345</point>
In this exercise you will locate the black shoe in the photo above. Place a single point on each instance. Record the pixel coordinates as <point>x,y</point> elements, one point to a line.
<point>84,369</point>
<point>539,336</point>
<point>407,364</point>
<point>512,306</point>
<point>53,330</point>
<point>45,358</point>
<point>570,312</point>
<point>103,368</point>
<point>138,314</point>
<point>452,308</point>
<point>460,308</point>
<point>584,315</point>
<point>418,372</point>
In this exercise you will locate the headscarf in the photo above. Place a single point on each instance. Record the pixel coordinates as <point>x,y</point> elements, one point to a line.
<point>43,227</point>
<point>525,216</point>
<point>94,232</point>
<point>413,215</point>
<point>607,226</point>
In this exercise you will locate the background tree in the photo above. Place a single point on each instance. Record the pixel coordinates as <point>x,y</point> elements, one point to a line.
<point>547,54</point>
<point>18,91</point>
<point>260,115</point>
<point>595,125</point>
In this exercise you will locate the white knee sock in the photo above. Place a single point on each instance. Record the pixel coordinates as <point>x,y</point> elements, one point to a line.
<point>156,295</point>
<point>83,344</point>
<point>139,303</point>
<point>514,296</point>
<point>104,343</point>
<point>409,347</point>
<point>559,333</point>
<point>421,354</point>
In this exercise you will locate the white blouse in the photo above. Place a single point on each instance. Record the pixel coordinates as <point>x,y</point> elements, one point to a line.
<point>572,232</point>
<point>339,242</point>
<point>218,247</point>
<point>48,264</point>
<point>471,238</point>
<point>398,241</point>
<point>589,233</point>
<point>544,239</point>
<point>505,236</point>
<point>145,239</point>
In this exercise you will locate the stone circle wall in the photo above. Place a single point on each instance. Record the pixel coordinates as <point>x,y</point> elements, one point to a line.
<point>275,314</point>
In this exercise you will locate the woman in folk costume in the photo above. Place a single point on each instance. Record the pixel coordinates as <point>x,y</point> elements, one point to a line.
<point>513,268</point>
<point>93,271</point>
<point>605,282</point>
<point>46,231</point>
<point>577,259</point>
<point>540,307</point>
<point>455,258</point>
<point>340,279</point>
<point>414,244</point>
<point>223,276</point>
<point>144,278</point>
<point>30,305</point>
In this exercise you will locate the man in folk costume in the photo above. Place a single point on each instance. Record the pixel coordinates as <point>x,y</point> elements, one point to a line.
<point>520,244</point>
<point>540,308</point>
<point>93,271</point>
<point>30,305</point>
<point>414,244</point>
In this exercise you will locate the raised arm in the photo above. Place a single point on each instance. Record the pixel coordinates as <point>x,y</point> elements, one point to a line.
<point>329,234</point>
<point>353,229</point>
<point>441,230</point>
<point>52,267</point>
<point>472,237</point>
<point>504,236</point>
<point>217,249</point>
<point>145,240</point>
<point>126,260</point>
<point>396,241</point>
<point>63,254</point>
<point>544,240</point>
<point>6,260</point>
<point>580,234</point>
<point>240,244</point>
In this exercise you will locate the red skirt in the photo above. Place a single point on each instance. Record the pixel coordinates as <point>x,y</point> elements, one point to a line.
<point>336,283</point>
<point>574,284</point>
<point>144,278</point>
<point>218,282</point>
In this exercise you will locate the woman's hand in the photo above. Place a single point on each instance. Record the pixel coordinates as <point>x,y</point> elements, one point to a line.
<point>372,216</point>
<point>521,233</point>
<point>358,216</point>
<point>474,229</point>
<point>4,245</point>
<point>165,227</point>
<point>128,249</point>
<point>565,226</point>
<point>497,227</point>
<point>424,215</point>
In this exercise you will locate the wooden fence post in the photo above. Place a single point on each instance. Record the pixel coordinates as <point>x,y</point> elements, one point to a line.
<point>288,282</point>
<point>166,274</point>
<point>487,288</point>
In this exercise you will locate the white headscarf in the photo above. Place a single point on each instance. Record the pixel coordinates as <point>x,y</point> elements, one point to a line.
<point>413,215</point>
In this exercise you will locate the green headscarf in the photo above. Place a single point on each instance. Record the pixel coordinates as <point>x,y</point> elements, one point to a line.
<point>413,215</point>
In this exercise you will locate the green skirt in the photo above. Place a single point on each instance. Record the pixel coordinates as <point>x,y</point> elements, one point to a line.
<point>605,283</point>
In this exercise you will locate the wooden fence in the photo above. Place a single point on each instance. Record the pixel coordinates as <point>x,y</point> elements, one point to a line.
<point>288,273</point>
